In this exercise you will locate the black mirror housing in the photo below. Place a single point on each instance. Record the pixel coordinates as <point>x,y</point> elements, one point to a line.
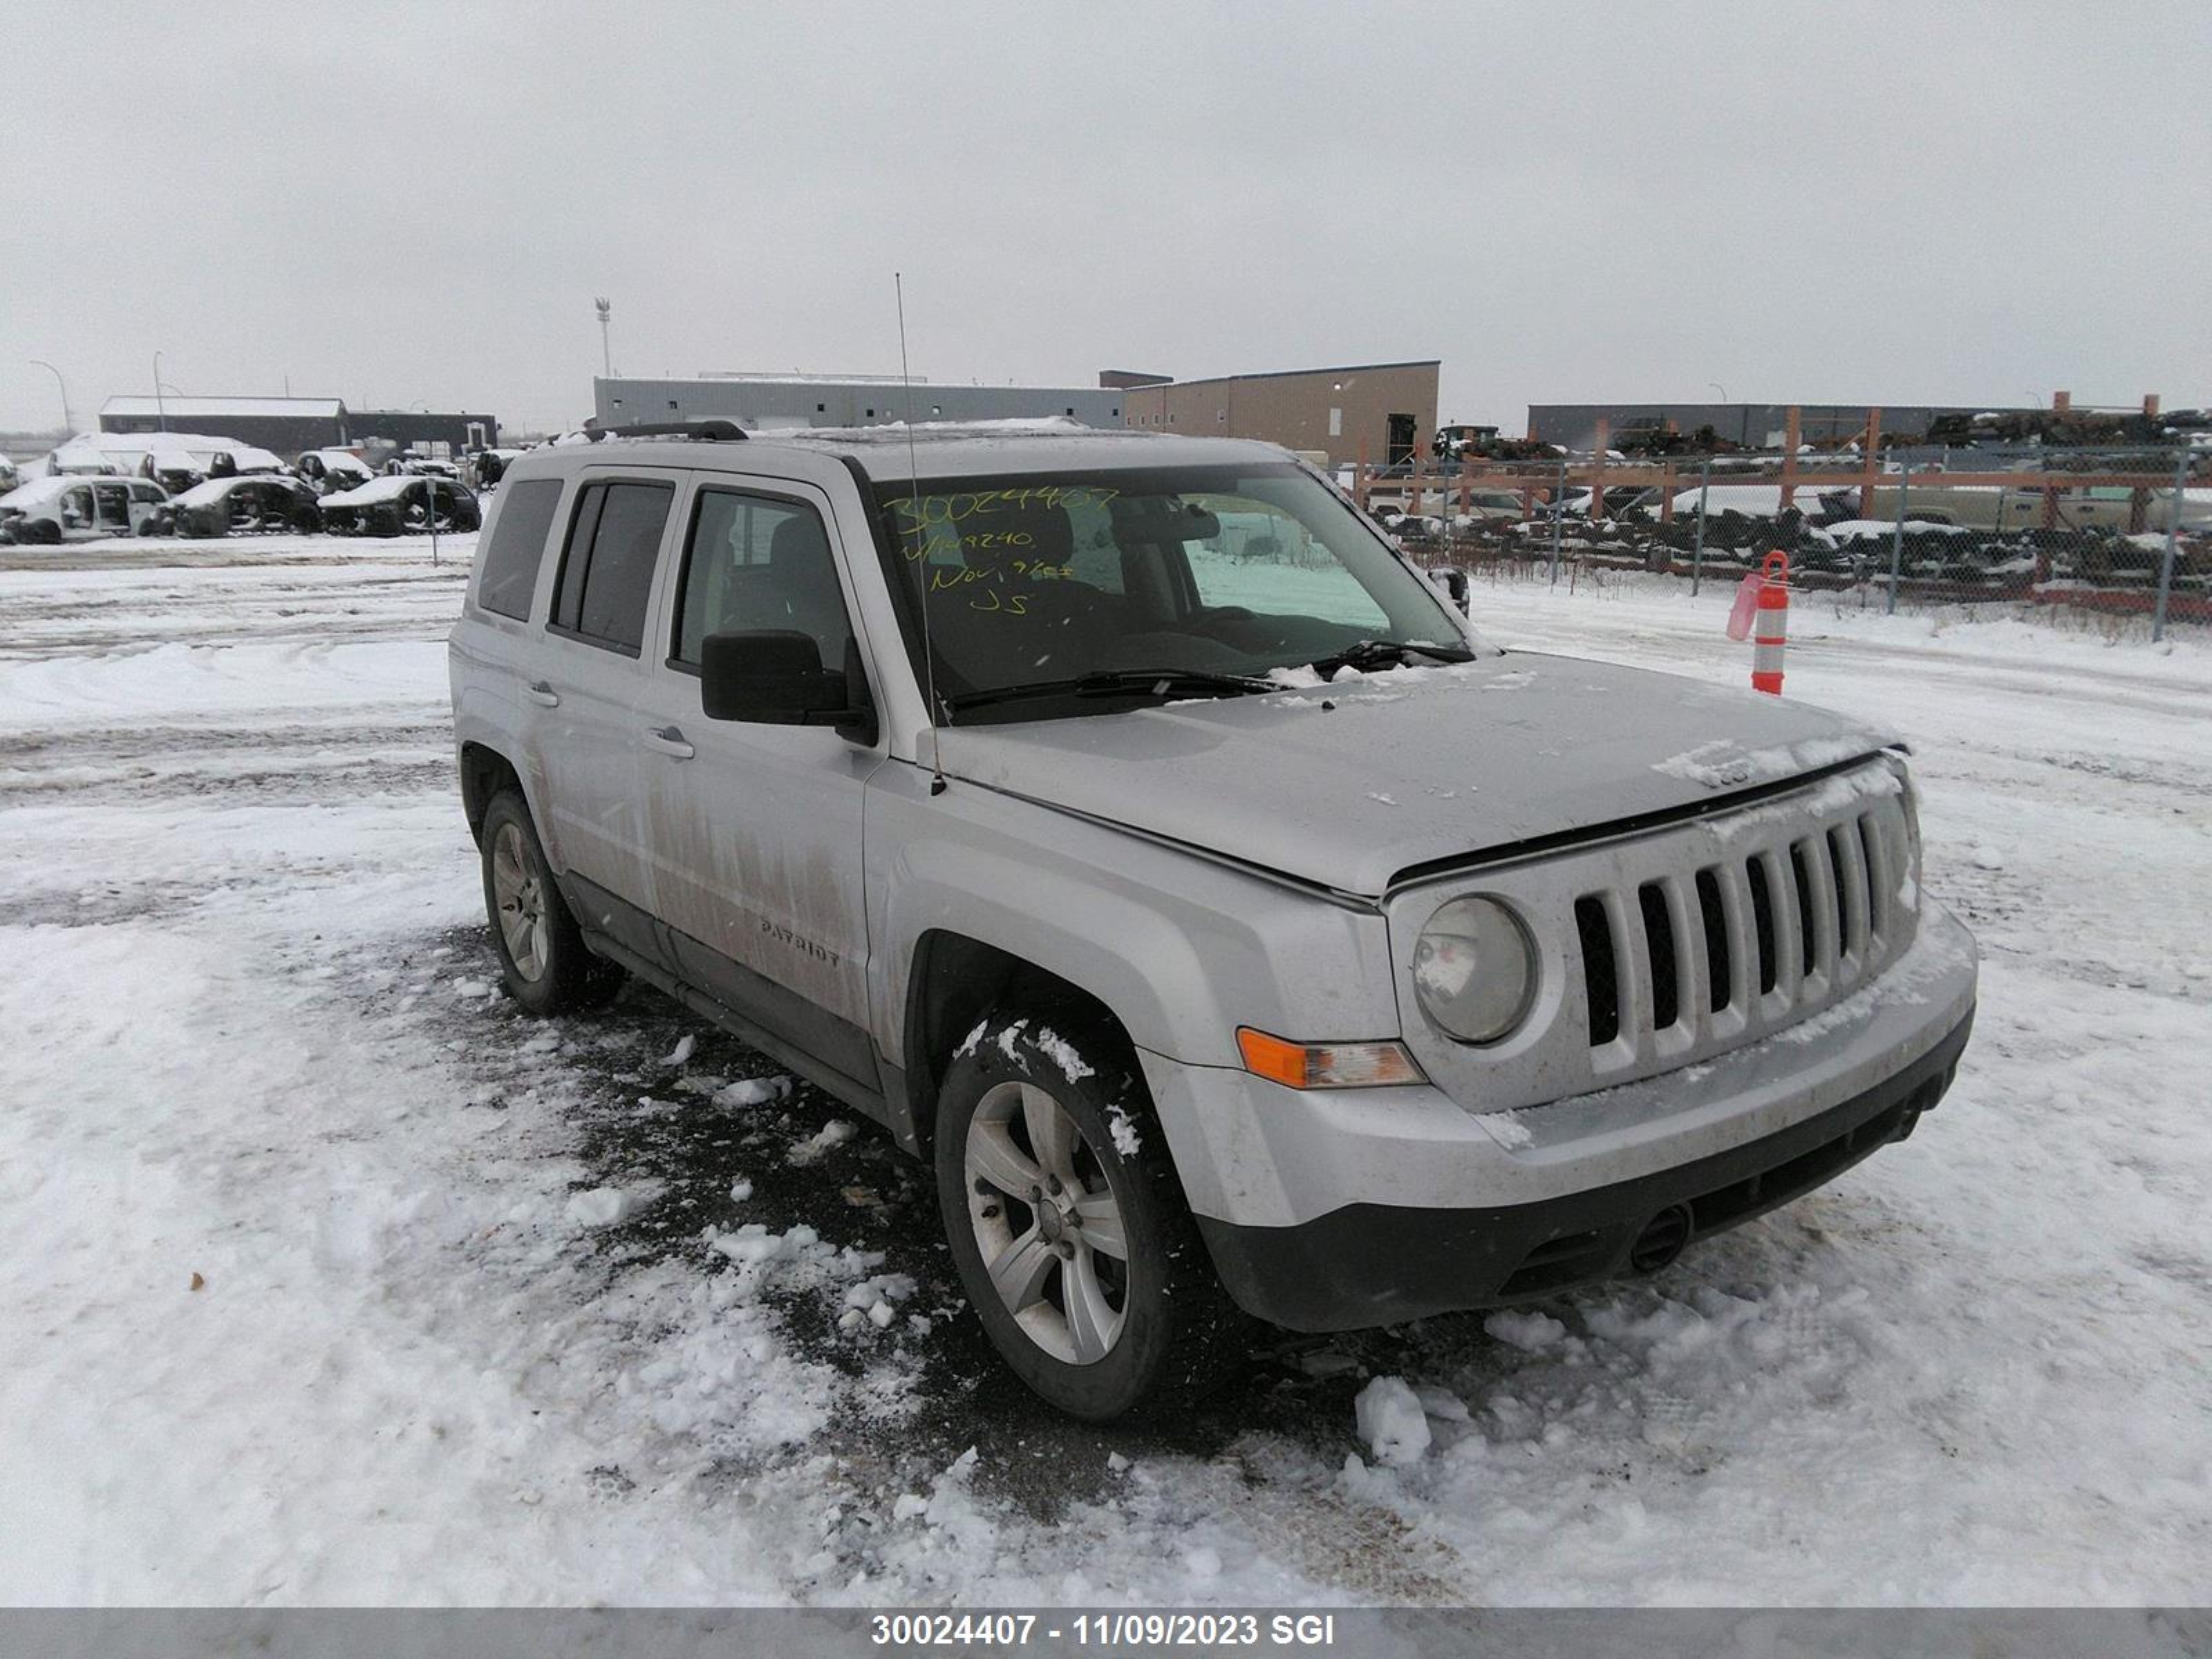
<point>1455,585</point>
<point>774,676</point>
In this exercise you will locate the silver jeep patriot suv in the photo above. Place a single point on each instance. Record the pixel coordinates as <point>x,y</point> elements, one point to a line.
<point>1124,824</point>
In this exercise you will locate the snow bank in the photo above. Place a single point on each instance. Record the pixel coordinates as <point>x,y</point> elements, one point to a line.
<point>1391,1422</point>
<point>752,1091</point>
<point>1528,1330</point>
<point>606,1207</point>
<point>832,1135</point>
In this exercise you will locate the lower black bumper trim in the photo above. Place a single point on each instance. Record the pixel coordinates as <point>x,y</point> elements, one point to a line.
<point>1383,1264</point>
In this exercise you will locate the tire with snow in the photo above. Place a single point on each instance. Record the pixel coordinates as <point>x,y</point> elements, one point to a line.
<point>542,958</point>
<point>1068,1226</point>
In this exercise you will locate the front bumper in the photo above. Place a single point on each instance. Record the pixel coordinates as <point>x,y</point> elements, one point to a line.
<point>1336,1211</point>
<point>1378,1264</point>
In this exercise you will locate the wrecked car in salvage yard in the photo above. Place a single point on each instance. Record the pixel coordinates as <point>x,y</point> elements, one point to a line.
<point>1238,936</point>
<point>78,508</point>
<point>397,506</point>
<point>247,505</point>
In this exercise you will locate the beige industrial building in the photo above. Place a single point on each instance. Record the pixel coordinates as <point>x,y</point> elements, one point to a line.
<point>1381,412</point>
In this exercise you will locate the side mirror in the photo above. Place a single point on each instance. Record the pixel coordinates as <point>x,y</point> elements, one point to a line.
<point>774,676</point>
<point>1455,583</point>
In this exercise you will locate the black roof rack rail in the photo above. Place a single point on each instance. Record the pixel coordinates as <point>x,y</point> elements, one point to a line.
<point>711,432</point>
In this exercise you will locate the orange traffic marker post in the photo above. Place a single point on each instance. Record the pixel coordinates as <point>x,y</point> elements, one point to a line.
<point>1771,628</point>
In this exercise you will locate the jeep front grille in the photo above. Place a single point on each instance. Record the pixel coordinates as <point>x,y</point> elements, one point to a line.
<point>1665,948</point>
<point>1782,929</point>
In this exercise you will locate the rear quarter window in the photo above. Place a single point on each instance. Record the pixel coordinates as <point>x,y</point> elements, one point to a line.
<point>517,547</point>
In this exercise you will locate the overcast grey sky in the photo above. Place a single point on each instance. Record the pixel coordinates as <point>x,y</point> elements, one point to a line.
<point>403,203</point>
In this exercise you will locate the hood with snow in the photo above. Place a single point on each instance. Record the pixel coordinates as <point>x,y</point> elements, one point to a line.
<point>1347,785</point>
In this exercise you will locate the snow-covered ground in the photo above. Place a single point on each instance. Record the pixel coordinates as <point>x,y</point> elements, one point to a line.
<point>323,1276</point>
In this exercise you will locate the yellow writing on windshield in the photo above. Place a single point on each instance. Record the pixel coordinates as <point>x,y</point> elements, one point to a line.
<point>968,503</point>
<point>944,546</point>
<point>921,521</point>
<point>942,578</point>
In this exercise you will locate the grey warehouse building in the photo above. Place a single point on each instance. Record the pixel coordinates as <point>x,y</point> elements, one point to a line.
<point>290,425</point>
<point>804,400</point>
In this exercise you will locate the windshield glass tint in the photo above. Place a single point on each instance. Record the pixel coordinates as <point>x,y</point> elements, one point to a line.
<point>1037,579</point>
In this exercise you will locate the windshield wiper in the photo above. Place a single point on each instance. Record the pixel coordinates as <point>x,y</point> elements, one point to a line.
<point>1118,681</point>
<point>1364,654</point>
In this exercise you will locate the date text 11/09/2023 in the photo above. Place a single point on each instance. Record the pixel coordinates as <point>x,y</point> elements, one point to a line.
<point>1137,1631</point>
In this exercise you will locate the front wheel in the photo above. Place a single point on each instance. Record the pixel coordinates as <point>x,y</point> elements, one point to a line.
<point>542,958</point>
<point>1068,1227</point>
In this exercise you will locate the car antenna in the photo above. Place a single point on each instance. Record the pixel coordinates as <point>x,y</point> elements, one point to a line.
<point>921,545</point>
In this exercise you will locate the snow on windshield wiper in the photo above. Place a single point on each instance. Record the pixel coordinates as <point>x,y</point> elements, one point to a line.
<point>1118,681</point>
<point>1375,653</point>
<point>1162,681</point>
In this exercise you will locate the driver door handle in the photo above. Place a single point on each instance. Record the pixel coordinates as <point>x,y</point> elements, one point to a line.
<point>545,695</point>
<point>667,740</point>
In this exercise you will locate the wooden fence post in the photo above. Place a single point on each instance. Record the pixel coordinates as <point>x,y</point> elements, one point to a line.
<point>1871,463</point>
<point>1789,431</point>
<point>1604,441</point>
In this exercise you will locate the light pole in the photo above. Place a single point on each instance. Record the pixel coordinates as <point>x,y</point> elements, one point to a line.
<point>159,407</point>
<point>1718,387</point>
<point>68,426</point>
<point>606,310</point>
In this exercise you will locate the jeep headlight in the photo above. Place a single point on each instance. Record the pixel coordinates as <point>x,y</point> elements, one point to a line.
<point>1475,970</point>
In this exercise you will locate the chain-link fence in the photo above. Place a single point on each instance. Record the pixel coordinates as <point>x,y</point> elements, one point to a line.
<point>2119,532</point>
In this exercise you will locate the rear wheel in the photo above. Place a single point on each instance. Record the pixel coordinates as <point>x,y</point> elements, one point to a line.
<point>542,958</point>
<point>1068,1224</point>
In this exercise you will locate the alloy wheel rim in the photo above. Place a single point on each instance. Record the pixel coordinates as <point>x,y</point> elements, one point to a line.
<point>1047,1223</point>
<point>518,898</point>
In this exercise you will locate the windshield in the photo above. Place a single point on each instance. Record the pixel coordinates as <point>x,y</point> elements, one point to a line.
<point>1041,580</point>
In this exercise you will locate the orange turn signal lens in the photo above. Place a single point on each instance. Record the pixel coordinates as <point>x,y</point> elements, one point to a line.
<point>1325,1065</point>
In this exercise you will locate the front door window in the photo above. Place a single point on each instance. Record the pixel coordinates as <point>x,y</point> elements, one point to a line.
<point>755,563</point>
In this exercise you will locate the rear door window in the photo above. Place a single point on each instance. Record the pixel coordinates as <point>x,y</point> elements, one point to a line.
<point>517,546</point>
<point>606,573</point>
